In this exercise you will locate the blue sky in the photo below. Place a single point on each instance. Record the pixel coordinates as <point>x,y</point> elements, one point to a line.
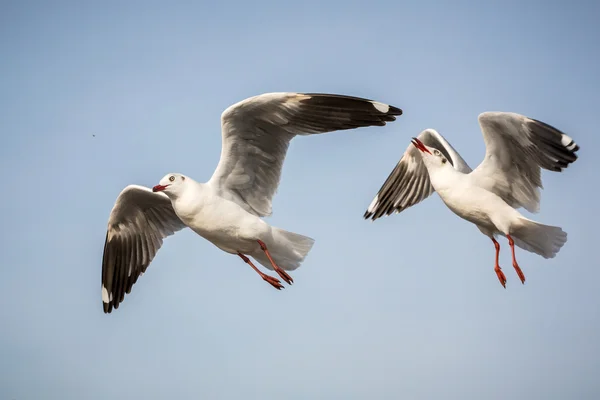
<point>406,307</point>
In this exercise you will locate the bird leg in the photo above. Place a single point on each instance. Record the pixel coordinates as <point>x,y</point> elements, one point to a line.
<point>284,275</point>
<point>497,268</point>
<point>511,242</point>
<point>273,281</point>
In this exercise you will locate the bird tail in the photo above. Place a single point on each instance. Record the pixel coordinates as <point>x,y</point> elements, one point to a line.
<point>541,239</point>
<point>288,249</point>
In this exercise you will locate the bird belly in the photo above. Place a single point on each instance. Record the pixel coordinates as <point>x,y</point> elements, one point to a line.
<point>226,225</point>
<point>474,209</point>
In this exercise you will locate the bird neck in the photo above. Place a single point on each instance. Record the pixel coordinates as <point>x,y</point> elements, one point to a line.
<point>444,178</point>
<point>191,189</point>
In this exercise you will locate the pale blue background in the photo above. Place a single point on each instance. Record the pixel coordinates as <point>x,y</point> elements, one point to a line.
<point>407,307</point>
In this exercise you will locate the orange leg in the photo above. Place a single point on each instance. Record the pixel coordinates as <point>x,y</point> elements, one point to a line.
<point>273,281</point>
<point>497,268</point>
<point>515,264</point>
<point>277,269</point>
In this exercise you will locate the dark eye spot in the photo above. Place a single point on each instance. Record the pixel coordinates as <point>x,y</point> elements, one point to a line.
<point>183,178</point>
<point>171,178</point>
<point>444,161</point>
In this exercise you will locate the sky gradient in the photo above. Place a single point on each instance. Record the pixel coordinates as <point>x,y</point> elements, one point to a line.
<point>96,96</point>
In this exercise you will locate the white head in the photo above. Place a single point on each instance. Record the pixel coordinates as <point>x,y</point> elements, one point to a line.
<point>172,185</point>
<point>433,159</point>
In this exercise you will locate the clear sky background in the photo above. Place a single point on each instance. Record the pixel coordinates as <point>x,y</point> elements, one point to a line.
<point>407,307</point>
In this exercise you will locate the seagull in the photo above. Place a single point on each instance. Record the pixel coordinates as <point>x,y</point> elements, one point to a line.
<point>227,210</point>
<point>509,177</point>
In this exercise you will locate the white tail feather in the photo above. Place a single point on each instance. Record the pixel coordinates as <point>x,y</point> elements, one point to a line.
<point>541,239</point>
<point>288,250</point>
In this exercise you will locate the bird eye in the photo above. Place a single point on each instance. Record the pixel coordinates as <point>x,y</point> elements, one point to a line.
<point>436,152</point>
<point>171,178</point>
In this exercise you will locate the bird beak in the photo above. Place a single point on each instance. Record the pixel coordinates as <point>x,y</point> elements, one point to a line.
<point>159,188</point>
<point>419,145</point>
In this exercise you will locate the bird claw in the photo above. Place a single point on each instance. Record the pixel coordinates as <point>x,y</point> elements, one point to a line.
<point>501,276</point>
<point>520,273</point>
<point>273,281</point>
<point>284,275</point>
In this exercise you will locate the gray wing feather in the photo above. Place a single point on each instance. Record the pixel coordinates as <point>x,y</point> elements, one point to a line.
<point>138,223</point>
<point>257,131</point>
<point>408,183</point>
<point>517,147</point>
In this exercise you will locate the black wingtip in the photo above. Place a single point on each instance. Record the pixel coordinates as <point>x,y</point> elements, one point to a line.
<point>383,108</point>
<point>370,215</point>
<point>386,109</point>
<point>574,149</point>
<point>560,146</point>
<point>395,110</point>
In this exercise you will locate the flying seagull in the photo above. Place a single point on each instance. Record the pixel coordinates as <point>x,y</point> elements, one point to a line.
<point>227,209</point>
<point>509,177</point>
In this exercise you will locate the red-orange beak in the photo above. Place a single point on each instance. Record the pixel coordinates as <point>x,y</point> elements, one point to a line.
<point>419,145</point>
<point>159,188</point>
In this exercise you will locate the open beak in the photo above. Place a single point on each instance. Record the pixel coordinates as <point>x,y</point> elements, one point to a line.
<point>419,145</point>
<point>159,188</point>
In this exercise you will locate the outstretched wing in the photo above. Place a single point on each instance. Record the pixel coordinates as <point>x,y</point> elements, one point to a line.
<point>408,183</point>
<point>138,223</point>
<point>517,147</point>
<point>257,132</point>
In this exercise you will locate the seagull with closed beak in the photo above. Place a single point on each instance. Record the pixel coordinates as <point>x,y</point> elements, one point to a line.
<point>517,147</point>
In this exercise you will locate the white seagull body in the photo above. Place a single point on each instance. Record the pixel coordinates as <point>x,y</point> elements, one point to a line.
<point>227,209</point>
<point>509,177</point>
